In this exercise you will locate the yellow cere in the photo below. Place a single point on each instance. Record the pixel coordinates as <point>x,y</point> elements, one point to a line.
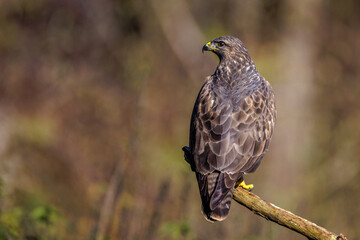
<point>211,47</point>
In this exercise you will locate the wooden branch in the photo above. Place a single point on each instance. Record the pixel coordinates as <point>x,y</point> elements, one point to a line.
<point>282,217</point>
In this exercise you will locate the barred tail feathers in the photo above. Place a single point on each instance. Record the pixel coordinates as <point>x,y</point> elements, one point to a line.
<point>216,194</point>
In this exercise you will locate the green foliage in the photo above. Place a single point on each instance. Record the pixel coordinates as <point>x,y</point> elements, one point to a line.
<point>177,230</point>
<point>35,131</point>
<point>45,215</point>
<point>31,217</point>
<point>10,223</point>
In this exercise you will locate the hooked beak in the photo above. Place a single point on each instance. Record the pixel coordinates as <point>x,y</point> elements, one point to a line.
<point>209,47</point>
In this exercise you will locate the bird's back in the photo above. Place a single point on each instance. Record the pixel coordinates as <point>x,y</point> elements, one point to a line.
<point>231,127</point>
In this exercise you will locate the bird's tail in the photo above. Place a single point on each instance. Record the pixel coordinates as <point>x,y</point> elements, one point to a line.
<point>216,194</point>
<point>220,212</point>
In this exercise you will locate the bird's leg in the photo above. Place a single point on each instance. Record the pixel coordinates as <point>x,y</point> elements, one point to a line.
<point>242,184</point>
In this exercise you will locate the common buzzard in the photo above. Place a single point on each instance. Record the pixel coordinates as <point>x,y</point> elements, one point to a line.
<point>231,126</point>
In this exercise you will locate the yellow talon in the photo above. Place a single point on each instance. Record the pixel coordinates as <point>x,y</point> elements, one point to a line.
<point>243,185</point>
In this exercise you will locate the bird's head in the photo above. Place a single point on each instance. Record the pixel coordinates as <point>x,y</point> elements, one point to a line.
<point>227,47</point>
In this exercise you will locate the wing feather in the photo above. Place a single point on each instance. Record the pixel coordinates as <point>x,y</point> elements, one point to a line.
<point>229,138</point>
<point>239,131</point>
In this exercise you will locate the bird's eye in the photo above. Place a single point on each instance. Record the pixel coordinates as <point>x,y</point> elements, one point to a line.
<point>221,44</point>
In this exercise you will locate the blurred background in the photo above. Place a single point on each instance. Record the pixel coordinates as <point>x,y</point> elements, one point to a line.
<point>95,105</point>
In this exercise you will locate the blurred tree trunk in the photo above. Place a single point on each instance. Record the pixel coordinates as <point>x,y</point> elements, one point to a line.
<point>295,95</point>
<point>177,24</point>
<point>110,199</point>
<point>157,209</point>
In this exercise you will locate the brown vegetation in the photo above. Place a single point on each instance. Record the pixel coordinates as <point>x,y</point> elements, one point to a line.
<point>95,101</point>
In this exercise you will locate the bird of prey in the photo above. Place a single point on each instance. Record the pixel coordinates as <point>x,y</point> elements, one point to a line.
<point>231,126</point>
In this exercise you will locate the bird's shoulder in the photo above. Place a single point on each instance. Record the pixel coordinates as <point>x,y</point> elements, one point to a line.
<point>237,125</point>
<point>248,107</point>
<point>256,116</point>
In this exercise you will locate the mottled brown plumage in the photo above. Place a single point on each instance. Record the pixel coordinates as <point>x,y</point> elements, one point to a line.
<point>231,126</point>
